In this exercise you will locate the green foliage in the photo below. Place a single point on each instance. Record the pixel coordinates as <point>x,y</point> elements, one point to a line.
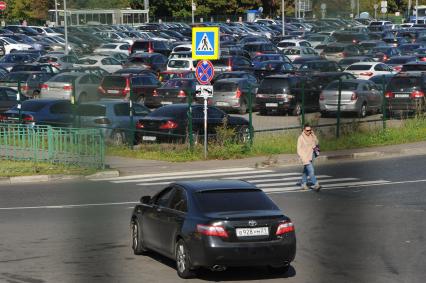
<point>26,168</point>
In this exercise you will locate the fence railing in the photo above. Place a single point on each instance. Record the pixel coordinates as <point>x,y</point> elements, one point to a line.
<point>81,147</point>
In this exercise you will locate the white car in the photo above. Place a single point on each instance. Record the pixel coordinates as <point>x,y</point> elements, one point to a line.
<point>186,64</point>
<point>366,70</point>
<point>114,47</point>
<point>293,43</point>
<point>182,48</point>
<point>45,31</point>
<point>107,63</point>
<point>298,52</point>
<point>11,45</point>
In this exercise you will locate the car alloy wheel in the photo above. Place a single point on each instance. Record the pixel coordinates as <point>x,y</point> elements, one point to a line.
<point>363,111</point>
<point>137,241</point>
<point>297,109</point>
<point>183,264</point>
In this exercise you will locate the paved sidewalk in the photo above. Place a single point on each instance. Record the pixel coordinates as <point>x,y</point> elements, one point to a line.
<point>131,166</point>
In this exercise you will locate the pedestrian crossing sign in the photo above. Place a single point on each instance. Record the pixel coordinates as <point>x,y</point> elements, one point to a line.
<point>205,43</point>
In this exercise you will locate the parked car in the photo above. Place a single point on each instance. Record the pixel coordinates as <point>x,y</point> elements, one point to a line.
<point>112,116</point>
<point>60,61</point>
<point>397,61</point>
<point>346,62</point>
<point>87,69</point>
<point>10,45</point>
<point>52,112</point>
<point>414,67</point>
<point>35,67</point>
<point>172,92</point>
<point>258,59</point>
<point>294,53</point>
<point>9,60</point>
<point>128,86</point>
<point>114,47</point>
<point>322,79</point>
<point>283,94</point>
<point>256,48</point>
<point>232,63</point>
<point>382,54</point>
<point>320,66</point>
<point>365,70</point>
<point>151,46</point>
<point>221,223</point>
<point>61,86</point>
<point>30,82</point>
<point>272,67</point>
<point>155,61</point>
<point>107,63</point>
<point>293,43</point>
<point>8,99</point>
<point>405,93</point>
<point>238,74</point>
<point>186,64</point>
<point>167,75</point>
<point>357,96</point>
<point>338,51</point>
<point>234,94</point>
<point>169,123</point>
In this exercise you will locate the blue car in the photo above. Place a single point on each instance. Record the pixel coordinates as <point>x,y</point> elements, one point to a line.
<point>258,59</point>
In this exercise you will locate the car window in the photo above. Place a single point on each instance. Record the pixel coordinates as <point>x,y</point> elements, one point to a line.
<point>140,110</point>
<point>179,201</point>
<point>11,94</point>
<point>91,110</point>
<point>163,198</point>
<point>84,80</point>
<point>214,113</point>
<point>94,79</point>
<point>61,108</point>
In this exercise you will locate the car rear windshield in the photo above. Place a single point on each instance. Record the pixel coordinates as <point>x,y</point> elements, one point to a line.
<point>349,61</point>
<point>225,86</point>
<point>63,78</point>
<point>413,67</point>
<point>178,64</point>
<point>177,83</point>
<point>114,81</point>
<point>91,110</point>
<point>140,60</point>
<point>359,67</point>
<point>140,45</point>
<point>334,49</point>
<point>291,51</point>
<point>404,83</point>
<point>177,112</point>
<point>16,77</point>
<point>398,60</point>
<point>274,86</point>
<point>345,86</point>
<point>233,200</point>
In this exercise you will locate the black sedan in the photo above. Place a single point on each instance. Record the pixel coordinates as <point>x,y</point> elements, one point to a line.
<point>173,91</point>
<point>214,224</point>
<point>169,123</point>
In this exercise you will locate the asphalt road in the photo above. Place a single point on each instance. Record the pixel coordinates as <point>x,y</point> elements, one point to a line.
<point>79,232</point>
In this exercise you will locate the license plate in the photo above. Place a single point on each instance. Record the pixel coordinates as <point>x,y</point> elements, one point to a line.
<point>166,102</point>
<point>401,95</point>
<point>113,91</point>
<point>149,138</point>
<point>220,103</point>
<point>271,104</point>
<point>252,232</point>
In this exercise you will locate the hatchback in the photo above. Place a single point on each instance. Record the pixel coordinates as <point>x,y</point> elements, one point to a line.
<point>151,46</point>
<point>233,94</point>
<point>61,61</point>
<point>153,61</point>
<point>214,224</point>
<point>365,70</point>
<point>338,51</point>
<point>8,98</point>
<point>294,53</point>
<point>357,96</point>
<point>320,66</point>
<point>184,64</point>
<point>30,82</point>
<point>109,64</point>
<point>171,92</point>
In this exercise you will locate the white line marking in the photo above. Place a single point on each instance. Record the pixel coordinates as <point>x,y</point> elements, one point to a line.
<point>176,174</point>
<point>67,205</point>
<point>285,179</point>
<point>185,177</point>
<point>266,175</point>
<point>292,183</point>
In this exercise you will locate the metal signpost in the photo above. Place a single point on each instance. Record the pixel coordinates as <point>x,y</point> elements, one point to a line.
<point>323,7</point>
<point>204,73</point>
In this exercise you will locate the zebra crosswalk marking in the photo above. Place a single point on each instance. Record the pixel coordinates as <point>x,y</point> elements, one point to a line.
<point>292,183</point>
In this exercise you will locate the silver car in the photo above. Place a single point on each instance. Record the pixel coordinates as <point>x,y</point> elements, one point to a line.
<point>357,96</point>
<point>233,94</point>
<point>61,86</point>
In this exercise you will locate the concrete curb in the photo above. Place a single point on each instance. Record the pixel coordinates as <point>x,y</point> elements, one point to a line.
<point>59,177</point>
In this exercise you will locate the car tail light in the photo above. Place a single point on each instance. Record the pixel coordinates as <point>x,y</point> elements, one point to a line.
<point>369,74</point>
<point>154,92</point>
<point>44,86</point>
<point>150,49</point>
<point>54,64</point>
<point>25,87</point>
<point>417,94</point>
<point>354,96</point>
<point>101,90</point>
<point>126,90</point>
<point>397,68</point>
<point>102,121</point>
<point>67,87</point>
<point>285,227</point>
<point>385,58</point>
<point>389,94</point>
<point>423,59</point>
<point>28,118</point>
<point>182,94</point>
<point>260,95</point>
<point>209,230</point>
<point>343,54</point>
<point>229,65</point>
<point>238,93</point>
<point>259,53</point>
<point>3,117</point>
<point>354,41</point>
<point>130,49</point>
<point>169,125</point>
<point>321,97</point>
<point>139,125</point>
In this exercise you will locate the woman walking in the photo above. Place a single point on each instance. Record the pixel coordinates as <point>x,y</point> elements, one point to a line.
<point>306,143</point>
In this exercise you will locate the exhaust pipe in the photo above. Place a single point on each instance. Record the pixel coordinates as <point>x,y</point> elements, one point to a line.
<point>218,268</point>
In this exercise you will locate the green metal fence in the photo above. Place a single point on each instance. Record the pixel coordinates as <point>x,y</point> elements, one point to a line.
<point>81,147</point>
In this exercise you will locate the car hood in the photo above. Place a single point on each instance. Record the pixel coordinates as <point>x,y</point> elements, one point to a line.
<point>235,120</point>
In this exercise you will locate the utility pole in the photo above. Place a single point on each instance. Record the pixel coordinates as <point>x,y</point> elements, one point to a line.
<point>192,10</point>
<point>283,15</point>
<point>417,12</point>
<point>66,27</point>
<point>295,7</point>
<point>358,9</point>
<point>56,13</point>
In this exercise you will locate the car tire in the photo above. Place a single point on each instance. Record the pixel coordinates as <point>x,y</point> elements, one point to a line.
<point>118,138</point>
<point>36,94</point>
<point>243,107</point>
<point>297,110</point>
<point>137,240</point>
<point>282,269</point>
<point>195,136</point>
<point>362,113</point>
<point>243,134</point>
<point>183,262</point>
<point>263,112</point>
<point>325,114</point>
<point>141,99</point>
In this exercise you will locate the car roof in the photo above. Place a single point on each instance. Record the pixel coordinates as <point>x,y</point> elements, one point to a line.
<point>367,63</point>
<point>211,185</point>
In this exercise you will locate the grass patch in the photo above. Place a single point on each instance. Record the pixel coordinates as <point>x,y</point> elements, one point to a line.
<point>352,136</point>
<point>26,168</point>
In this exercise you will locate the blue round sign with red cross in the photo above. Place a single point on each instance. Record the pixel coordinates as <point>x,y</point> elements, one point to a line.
<point>204,72</point>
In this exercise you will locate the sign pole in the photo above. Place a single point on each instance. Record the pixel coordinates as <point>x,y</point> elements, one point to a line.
<point>205,127</point>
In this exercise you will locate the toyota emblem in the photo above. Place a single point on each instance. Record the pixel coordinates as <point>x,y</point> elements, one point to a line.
<point>252,223</point>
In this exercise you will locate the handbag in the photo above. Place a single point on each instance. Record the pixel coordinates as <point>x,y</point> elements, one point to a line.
<point>317,150</point>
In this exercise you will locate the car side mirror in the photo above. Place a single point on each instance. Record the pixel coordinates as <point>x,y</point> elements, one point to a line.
<point>146,199</point>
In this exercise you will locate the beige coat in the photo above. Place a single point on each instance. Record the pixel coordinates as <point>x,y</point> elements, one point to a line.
<point>305,145</point>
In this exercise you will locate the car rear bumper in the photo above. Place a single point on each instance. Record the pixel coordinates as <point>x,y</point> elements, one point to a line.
<point>213,251</point>
<point>274,105</point>
<point>408,105</point>
<point>344,107</point>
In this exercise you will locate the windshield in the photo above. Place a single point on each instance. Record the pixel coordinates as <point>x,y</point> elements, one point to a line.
<point>404,83</point>
<point>274,86</point>
<point>225,86</point>
<point>359,67</point>
<point>178,64</point>
<point>177,84</point>
<point>345,86</point>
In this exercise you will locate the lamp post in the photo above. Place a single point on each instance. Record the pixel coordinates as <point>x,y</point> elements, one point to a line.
<point>358,9</point>
<point>65,27</point>
<point>192,10</point>
<point>56,13</point>
<point>282,14</point>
